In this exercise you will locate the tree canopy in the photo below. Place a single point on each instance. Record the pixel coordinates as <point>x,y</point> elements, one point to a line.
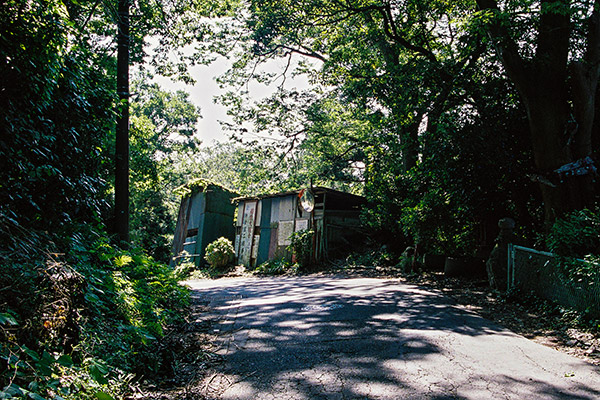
<point>404,89</point>
<point>446,115</point>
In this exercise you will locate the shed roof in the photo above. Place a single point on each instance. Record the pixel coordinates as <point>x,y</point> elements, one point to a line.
<point>198,185</point>
<point>315,189</point>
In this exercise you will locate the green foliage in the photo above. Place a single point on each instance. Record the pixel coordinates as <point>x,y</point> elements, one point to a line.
<point>302,248</point>
<point>575,238</point>
<point>380,257</point>
<point>56,117</point>
<point>420,121</point>
<point>276,267</point>
<point>439,225</point>
<point>193,186</point>
<point>81,324</point>
<point>220,253</point>
<point>576,235</point>
<point>162,128</point>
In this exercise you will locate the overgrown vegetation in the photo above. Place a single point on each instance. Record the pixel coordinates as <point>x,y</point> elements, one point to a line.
<point>278,266</point>
<point>576,235</point>
<point>302,248</point>
<point>81,319</point>
<point>436,127</point>
<point>220,253</point>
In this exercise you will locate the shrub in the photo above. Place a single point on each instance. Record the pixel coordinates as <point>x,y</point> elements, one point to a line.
<point>80,321</point>
<point>219,253</point>
<point>302,247</point>
<point>276,267</point>
<point>576,235</point>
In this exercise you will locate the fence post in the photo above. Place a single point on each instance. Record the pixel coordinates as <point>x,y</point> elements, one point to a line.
<point>497,264</point>
<point>510,278</point>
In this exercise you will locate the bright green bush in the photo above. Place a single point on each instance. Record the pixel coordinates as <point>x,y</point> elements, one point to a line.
<point>219,253</point>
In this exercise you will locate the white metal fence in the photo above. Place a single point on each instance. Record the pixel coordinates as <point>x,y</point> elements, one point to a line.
<point>541,273</point>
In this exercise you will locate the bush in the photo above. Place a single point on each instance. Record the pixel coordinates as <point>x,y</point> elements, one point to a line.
<point>276,267</point>
<point>576,235</point>
<point>81,318</point>
<point>219,253</point>
<point>302,247</point>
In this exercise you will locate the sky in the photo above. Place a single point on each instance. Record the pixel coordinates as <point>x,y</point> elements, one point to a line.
<point>203,92</point>
<point>202,95</point>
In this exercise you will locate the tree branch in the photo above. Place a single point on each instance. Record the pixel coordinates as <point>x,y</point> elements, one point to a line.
<point>553,39</point>
<point>391,30</point>
<point>507,48</point>
<point>586,74</point>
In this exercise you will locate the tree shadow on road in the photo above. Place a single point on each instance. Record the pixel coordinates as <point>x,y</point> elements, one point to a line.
<point>327,338</point>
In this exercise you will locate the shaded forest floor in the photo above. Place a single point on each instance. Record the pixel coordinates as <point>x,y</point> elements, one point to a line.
<point>192,343</point>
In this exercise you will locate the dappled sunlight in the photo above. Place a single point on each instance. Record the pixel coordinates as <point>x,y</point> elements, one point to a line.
<point>352,338</point>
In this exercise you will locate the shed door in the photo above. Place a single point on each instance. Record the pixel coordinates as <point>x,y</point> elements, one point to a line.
<point>265,232</point>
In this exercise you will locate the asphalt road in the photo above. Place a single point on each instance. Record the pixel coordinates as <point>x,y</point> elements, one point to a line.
<point>337,338</point>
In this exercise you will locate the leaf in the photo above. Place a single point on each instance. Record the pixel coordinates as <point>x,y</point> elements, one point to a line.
<point>32,353</point>
<point>6,318</point>
<point>35,396</point>
<point>47,358</point>
<point>65,360</point>
<point>103,396</point>
<point>97,374</point>
<point>14,390</point>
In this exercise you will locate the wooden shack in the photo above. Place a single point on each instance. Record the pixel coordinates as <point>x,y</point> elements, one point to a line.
<point>206,213</point>
<point>265,224</point>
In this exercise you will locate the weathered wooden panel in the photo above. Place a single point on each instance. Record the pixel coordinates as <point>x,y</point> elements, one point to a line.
<point>273,242</point>
<point>197,209</point>
<point>199,248</point>
<point>236,245</point>
<point>189,245</point>
<point>320,240</point>
<point>214,226</point>
<point>258,213</point>
<point>287,206</point>
<point>254,253</point>
<point>275,209</point>
<point>286,228</point>
<point>240,214</point>
<point>208,216</point>
<point>181,228</point>
<point>301,225</point>
<point>247,235</point>
<point>218,201</point>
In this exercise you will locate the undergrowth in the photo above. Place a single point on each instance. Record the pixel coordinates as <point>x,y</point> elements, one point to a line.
<point>560,316</point>
<point>81,318</point>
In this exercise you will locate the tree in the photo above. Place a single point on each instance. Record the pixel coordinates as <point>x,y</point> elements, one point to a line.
<point>56,112</point>
<point>122,129</point>
<point>550,50</point>
<point>162,129</point>
<point>411,61</point>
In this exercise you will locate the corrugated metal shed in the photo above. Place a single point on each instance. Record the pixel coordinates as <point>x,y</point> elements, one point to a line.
<point>205,214</point>
<point>265,224</point>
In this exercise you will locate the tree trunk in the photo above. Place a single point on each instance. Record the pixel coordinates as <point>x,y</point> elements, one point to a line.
<point>559,101</point>
<point>410,150</point>
<point>121,223</point>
